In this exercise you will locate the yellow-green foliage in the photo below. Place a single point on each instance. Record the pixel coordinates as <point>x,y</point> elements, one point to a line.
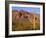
<point>24,24</point>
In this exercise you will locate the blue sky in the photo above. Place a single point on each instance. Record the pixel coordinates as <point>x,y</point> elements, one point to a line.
<point>29,9</point>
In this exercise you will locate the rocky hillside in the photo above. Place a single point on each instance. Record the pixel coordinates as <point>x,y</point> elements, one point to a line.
<point>24,20</point>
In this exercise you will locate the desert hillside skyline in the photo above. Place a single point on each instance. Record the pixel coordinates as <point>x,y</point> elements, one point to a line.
<point>28,9</point>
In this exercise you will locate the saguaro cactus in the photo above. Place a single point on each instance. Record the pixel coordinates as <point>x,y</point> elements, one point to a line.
<point>34,23</point>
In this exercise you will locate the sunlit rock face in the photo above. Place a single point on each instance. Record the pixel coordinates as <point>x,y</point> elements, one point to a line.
<point>18,14</point>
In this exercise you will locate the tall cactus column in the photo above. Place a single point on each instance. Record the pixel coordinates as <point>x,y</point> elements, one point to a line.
<point>34,22</point>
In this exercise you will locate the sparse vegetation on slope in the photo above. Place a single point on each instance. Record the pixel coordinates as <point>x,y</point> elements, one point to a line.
<point>22,20</point>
